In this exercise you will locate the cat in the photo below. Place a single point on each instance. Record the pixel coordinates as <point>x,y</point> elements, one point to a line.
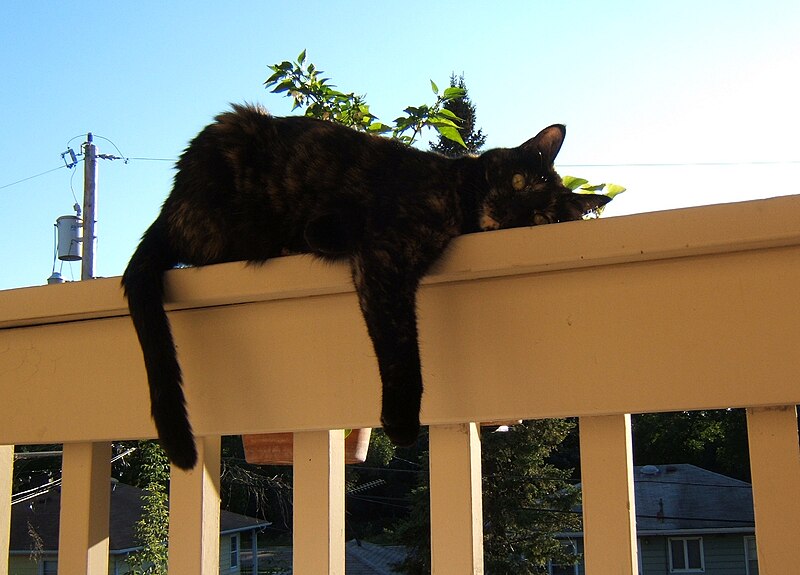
<point>251,187</point>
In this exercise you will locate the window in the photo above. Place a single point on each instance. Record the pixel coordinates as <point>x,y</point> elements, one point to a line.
<point>686,555</point>
<point>570,569</point>
<point>750,557</point>
<point>234,551</point>
<point>49,567</point>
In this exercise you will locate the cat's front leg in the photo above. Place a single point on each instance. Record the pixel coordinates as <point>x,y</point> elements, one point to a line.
<point>387,294</point>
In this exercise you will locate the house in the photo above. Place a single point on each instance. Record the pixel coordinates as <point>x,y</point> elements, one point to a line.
<point>35,523</point>
<point>361,558</point>
<point>688,520</point>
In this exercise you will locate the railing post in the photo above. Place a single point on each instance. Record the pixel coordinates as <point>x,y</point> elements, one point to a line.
<point>318,501</point>
<point>775,469</point>
<point>609,509</point>
<point>194,513</point>
<point>456,499</point>
<point>85,505</point>
<point>6,476</point>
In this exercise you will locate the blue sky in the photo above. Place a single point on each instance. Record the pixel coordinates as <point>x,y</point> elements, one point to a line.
<point>669,83</point>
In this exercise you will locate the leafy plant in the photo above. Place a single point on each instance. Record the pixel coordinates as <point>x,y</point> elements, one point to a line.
<point>152,530</point>
<point>584,187</point>
<point>303,82</point>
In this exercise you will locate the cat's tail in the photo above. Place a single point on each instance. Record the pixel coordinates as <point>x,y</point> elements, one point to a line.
<point>143,284</point>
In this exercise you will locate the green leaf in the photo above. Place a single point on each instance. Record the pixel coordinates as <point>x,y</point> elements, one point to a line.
<point>613,190</point>
<point>452,93</point>
<point>272,79</point>
<point>402,123</point>
<point>378,128</point>
<point>450,114</point>
<point>434,87</point>
<point>572,182</point>
<point>302,57</point>
<point>591,189</point>
<point>440,121</point>
<point>451,134</point>
<point>283,86</point>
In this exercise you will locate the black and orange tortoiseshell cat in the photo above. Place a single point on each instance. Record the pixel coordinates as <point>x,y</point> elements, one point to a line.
<point>251,187</point>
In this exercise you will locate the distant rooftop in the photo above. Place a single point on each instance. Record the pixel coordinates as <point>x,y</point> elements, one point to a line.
<point>40,516</point>
<point>683,497</point>
<point>361,558</point>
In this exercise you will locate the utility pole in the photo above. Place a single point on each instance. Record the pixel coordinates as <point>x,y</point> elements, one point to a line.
<point>89,205</point>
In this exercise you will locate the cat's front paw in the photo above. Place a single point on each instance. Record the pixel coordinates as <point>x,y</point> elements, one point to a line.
<point>402,434</point>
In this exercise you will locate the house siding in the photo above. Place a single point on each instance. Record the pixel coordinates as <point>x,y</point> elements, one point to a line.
<point>653,558</point>
<point>225,556</point>
<point>22,565</point>
<point>579,550</point>
<point>724,555</point>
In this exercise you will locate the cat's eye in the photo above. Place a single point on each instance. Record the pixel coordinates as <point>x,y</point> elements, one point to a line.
<point>518,181</point>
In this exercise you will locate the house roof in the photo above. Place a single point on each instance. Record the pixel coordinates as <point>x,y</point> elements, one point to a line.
<point>361,558</point>
<point>34,523</point>
<point>684,498</point>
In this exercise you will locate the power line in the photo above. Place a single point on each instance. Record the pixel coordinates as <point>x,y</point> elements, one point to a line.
<point>619,165</point>
<point>42,489</point>
<point>30,178</point>
<point>115,147</point>
<point>681,164</point>
<point>102,156</point>
<point>155,159</point>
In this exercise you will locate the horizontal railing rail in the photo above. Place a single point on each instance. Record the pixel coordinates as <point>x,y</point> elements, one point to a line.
<point>680,310</point>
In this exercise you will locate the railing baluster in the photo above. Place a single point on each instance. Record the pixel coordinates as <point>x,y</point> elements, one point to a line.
<point>456,499</point>
<point>194,513</point>
<point>85,504</point>
<point>775,469</point>
<point>318,539</point>
<point>6,475</point>
<point>609,510</point>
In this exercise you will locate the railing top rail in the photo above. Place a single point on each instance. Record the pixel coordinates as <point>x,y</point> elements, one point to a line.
<point>687,309</point>
<point>654,236</point>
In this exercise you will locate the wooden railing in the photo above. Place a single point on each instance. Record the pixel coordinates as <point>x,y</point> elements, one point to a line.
<point>681,310</point>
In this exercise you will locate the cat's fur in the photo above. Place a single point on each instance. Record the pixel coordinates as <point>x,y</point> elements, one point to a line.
<point>252,187</point>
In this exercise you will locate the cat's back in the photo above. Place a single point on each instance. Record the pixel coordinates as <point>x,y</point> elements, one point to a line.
<point>248,132</point>
<point>246,149</point>
<point>245,123</point>
<point>245,138</point>
<point>248,122</point>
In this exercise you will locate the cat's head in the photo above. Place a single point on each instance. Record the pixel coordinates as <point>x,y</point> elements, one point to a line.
<point>525,190</point>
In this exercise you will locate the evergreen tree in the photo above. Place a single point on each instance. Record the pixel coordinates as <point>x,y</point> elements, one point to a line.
<point>464,109</point>
<point>526,501</point>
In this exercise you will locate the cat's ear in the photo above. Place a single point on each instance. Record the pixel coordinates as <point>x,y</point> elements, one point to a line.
<point>547,143</point>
